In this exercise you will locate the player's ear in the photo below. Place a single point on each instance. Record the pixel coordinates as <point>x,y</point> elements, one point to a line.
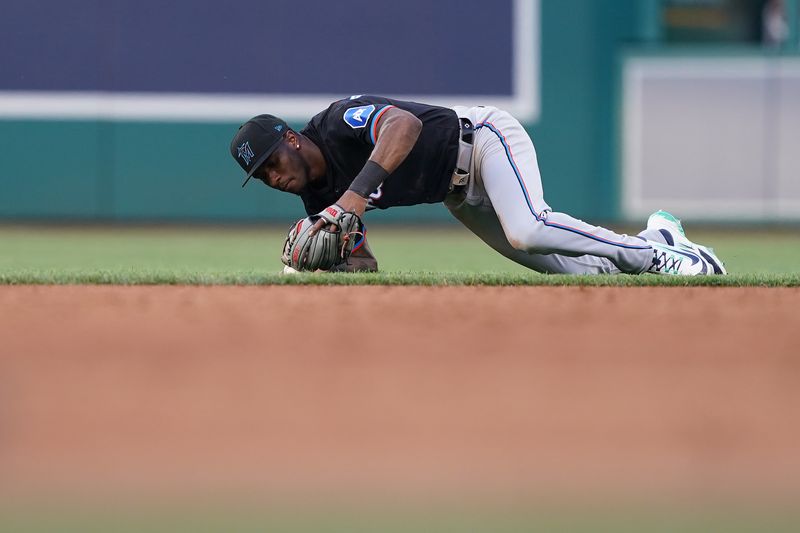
<point>292,139</point>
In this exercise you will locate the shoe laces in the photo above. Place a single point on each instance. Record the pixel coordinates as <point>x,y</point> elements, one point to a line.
<point>666,262</point>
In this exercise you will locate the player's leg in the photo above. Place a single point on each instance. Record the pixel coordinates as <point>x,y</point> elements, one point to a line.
<point>483,222</point>
<point>504,161</point>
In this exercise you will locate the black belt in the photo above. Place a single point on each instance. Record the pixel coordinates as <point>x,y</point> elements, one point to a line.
<point>467,130</point>
<point>461,175</point>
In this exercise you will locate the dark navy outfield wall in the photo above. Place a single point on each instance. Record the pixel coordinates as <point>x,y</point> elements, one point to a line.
<point>166,170</point>
<point>254,46</point>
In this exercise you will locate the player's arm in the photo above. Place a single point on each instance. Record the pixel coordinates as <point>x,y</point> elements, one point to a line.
<point>397,132</point>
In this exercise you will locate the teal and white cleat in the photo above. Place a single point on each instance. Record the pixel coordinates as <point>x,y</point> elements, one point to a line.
<point>664,220</point>
<point>678,260</point>
<point>716,263</point>
<point>671,228</point>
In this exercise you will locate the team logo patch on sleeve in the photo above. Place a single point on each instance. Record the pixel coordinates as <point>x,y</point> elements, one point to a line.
<point>357,117</point>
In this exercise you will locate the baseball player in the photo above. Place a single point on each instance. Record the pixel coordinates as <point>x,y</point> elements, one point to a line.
<point>368,152</point>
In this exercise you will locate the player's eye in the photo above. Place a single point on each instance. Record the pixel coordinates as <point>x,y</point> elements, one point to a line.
<point>270,164</point>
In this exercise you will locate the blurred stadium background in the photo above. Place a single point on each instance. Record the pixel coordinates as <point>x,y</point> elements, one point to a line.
<point>119,113</point>
<point>123,111</point>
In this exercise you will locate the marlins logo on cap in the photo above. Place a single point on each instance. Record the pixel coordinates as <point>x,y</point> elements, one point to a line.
<point>246,153</point>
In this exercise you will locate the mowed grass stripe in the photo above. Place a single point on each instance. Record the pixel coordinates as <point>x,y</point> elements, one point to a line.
<point>443,255</point>
<point>137,277</point>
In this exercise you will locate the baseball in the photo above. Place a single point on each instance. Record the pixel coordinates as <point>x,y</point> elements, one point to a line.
<point>289,270</point>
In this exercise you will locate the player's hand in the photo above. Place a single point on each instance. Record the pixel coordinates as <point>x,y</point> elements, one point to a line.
<point>318,226</point>
<point>353,202</point>
<point>349,202</point>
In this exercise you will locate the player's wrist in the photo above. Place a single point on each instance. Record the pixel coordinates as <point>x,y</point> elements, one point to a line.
<point>369,179</point>
<point>351,202</point>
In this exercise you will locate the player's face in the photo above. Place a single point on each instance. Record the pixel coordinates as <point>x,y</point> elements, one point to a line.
<point>285,170</point>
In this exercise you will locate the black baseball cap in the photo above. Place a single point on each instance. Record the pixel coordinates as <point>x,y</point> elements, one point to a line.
<point>255,141</point>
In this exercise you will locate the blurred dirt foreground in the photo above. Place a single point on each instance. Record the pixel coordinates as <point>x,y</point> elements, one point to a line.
<point>386,392</point>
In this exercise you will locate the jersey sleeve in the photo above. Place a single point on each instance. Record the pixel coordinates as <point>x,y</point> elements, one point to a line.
<point>358,117</point>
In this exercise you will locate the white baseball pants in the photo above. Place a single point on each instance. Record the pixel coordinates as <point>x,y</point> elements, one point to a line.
<point>503,204</point>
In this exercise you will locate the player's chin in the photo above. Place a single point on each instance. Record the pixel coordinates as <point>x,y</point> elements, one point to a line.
<point>295,186</point>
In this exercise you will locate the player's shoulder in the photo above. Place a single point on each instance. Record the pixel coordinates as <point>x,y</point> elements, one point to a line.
<point>350,113</point>
<point>355,109</point>
<point>359,100</point>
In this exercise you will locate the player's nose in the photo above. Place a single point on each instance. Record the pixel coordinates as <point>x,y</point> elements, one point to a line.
<point>274,179</point>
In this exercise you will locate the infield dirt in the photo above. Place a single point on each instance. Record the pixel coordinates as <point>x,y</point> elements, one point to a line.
<point>399,391</point>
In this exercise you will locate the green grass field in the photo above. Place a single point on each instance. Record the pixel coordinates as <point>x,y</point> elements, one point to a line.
<point>238,255</point>
<point>403,519</point>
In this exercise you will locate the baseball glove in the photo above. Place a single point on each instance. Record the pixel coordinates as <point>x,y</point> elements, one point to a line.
<point>349,226</point>
<point>326,249</point>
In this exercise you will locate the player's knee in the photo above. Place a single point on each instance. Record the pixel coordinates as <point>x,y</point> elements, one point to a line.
<point>526,238</point>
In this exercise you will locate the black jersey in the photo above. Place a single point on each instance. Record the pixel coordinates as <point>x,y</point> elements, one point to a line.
<point>345,133</point>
